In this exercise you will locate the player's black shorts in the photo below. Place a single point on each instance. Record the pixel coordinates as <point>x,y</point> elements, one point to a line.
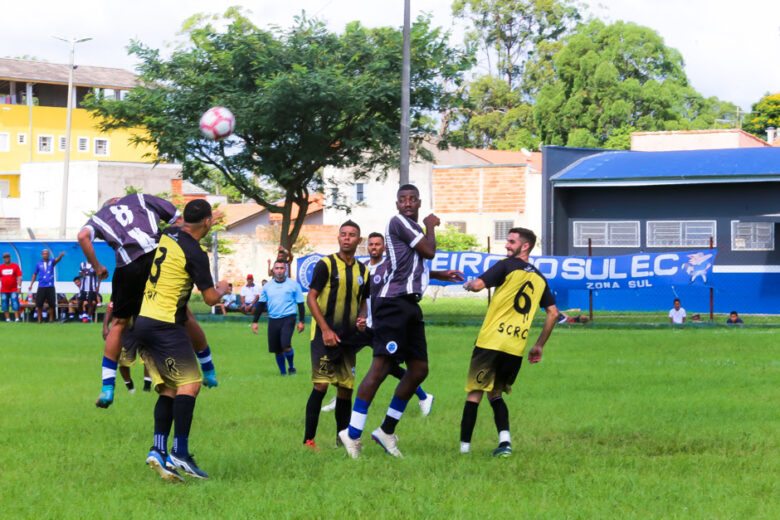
<point>167,352</point>
<point>492,370</point>
<point>336,365</point>
<point>399,329</point>
<point>46,294</point>
<point>280,333</point>
<point>127,286</point>
<point>87,296</point>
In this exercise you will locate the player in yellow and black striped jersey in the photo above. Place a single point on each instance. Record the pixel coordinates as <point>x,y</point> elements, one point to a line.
<point>337,295</point>
<point>498,352</point>
<point>179,264</point>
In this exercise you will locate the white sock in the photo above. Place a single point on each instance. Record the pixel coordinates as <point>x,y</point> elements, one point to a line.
<point>465,447</point>
<point>503,436</point>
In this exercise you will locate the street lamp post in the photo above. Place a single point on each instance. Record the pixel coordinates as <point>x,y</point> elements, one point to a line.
<point>69,115</point>
<point>405,101</point>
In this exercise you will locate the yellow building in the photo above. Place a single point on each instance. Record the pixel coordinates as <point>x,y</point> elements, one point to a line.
<point>33,100</point>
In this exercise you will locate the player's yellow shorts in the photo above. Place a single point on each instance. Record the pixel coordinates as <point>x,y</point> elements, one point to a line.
<point>167,352</point>
<point>492,370</point>
<point>334,365</point>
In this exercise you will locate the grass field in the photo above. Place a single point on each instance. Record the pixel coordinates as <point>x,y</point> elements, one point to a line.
<point>612,424</point>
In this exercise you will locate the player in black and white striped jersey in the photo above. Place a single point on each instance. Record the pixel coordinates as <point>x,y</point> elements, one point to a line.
<point>90,286</point>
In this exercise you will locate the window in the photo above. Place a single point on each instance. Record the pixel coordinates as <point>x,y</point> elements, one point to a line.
<point>5,188</point>
<point>45,144</point>
<point>459,225</point>
<point>83,144</point>
<point>501,228</point>
<point>63,143</point>
<point>608,233</point>
<point>21,138</point>
<point>360,193</point>
<point>681,233</point>
<point>752,236</point>
<point>101,147</point>
<point>5,142</point>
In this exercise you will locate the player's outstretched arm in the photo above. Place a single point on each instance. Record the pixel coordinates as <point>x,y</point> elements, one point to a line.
<point>450,275</point>
<point>474,285</point>
<point>213,295</point>
<point>85,241</point>
<point>549,324</point>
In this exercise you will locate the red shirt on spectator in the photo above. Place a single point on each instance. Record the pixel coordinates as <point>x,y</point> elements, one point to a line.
<point>9,274</point>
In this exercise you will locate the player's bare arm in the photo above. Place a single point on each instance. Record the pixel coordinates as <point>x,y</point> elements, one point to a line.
<point>535,355</point>
<point>301,315</point>
<point>362,322</point>
<point>450,275</point>
<point>427,246</point>
<point>330,338</point>
<point>85,241</point>
<point>212,295</point>
<point>474,285</point>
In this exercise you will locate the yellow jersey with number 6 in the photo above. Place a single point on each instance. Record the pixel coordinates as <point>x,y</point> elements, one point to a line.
<point>521,290</point>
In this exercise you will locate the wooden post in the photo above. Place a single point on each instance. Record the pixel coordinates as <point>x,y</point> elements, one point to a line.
<point>590,291</point>
<point>712,290</point>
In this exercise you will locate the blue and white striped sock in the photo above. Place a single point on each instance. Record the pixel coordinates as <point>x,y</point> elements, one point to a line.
<point>204,358</point>
<point>109,372</point>
<point>357,422</point>
<point>394,413</point>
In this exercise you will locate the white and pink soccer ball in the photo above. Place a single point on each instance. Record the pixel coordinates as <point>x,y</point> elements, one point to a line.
<point>217,123</point>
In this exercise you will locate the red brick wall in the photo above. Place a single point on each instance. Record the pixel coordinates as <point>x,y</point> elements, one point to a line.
<point>457,190</point>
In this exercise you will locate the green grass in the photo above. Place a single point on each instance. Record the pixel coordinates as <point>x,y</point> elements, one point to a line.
<point>612,424</point>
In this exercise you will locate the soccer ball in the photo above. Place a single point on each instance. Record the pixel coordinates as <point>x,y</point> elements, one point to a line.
<point>217,123</point>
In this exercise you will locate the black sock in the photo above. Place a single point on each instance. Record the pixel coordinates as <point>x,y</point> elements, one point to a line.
<point>397,371</point>
<point>313,414</point>
<point>501,415</point>
<point>183,408</point>
<point>129,384</point>
<point>343,413</point>
<point>468,421</point>
<point>163,419</point>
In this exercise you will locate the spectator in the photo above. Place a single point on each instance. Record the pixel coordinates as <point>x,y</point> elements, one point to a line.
<point>10,286</point>
<point>74,304</point>
<point>250,293</point>
<point>677,314</point>
<point>230,302</point>
<point>44,273</point>
<point>88,291</point>
<point>734,319</point>
<point>566,318</point>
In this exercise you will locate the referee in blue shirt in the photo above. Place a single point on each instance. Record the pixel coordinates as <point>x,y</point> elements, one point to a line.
<point>280,297</point>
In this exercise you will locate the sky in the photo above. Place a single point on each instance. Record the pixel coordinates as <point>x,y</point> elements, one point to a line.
<point>731,49</point>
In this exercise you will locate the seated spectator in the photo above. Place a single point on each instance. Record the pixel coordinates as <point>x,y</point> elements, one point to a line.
<point>74,303</point>
<point>230,302</point>
<point>677,314</point>
<point>567,318</point>
<point>734,319</point>
<point>250,294</point>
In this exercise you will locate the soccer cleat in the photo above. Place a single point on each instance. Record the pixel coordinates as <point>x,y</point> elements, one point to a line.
<point>426,405</point>
<point>106,397</point>
<point>311,445</point>
<point>292,371</point>
<point>131,391</point>
<point>158,462</point>
<point>353,446</point>
<point>388,441</point>
<point>187,464</point>
<point>330,406</point>
<point>503,452</point>
<point>210,378</point>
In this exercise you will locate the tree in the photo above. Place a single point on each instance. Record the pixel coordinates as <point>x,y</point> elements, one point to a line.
<point>612,79</point>
<point>451,239</point>
<point>765,113</point>
<point>508,31</point>
<point>304,98</point>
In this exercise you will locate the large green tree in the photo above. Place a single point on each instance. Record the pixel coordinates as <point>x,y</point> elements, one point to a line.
<point>304,98</point>
<point>765,113</point>
<point>612,79</point>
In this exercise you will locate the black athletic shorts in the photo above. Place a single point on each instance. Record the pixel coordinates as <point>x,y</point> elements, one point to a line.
<point>127,286</point>
<point>46,294</point>
<point>492,370</point>
<point>167,352</point>
<point>336,365</point>
<point>399,329</point>
<point>87,296</point>
<point>280,333</point>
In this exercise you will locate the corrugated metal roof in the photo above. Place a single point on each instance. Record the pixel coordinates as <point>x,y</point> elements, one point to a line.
<point>55,73</point>
<point>674,167</point>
